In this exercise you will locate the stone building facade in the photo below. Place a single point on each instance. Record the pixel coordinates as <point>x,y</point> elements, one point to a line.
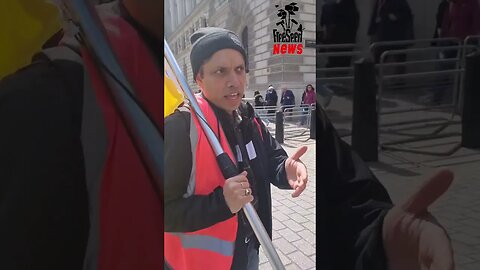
<point>254,22</point>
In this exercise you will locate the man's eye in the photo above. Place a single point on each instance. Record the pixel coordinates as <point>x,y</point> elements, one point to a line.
<point>240,68</point>
<point>219,71</point>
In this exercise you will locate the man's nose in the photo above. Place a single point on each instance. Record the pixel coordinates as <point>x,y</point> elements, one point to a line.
<point>234,80</point>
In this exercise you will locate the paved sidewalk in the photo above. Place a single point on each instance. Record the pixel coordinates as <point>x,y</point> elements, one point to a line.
<point>294,218</point>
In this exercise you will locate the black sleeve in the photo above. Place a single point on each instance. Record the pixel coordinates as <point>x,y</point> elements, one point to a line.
<point>277,157</point>
<point>196,211</point>
<point>404,12</point>
<point>355,202</point>
<point>43,199</point>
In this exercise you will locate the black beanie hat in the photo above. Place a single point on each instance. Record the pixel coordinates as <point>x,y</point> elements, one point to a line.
<point>207,41</point>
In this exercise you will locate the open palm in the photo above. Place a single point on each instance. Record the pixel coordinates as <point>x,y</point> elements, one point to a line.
<point>297,172</point>
<point>412,237</point>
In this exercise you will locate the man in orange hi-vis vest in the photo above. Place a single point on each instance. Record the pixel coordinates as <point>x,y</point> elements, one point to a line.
<point>205,228</point>
<point>358,227</point>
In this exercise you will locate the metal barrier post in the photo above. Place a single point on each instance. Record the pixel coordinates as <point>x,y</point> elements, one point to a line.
<point>471,96</point>
<point>313,129</point>
<point>365,117</point>
<point>279,134</point>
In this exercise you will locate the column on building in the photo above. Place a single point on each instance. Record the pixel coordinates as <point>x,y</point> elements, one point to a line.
<point>183,9</point>
<point>188,7</point>
<point>178,12</point>
<point>173,11</point>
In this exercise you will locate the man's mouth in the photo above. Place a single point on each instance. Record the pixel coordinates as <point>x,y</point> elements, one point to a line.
<point>233,96</point>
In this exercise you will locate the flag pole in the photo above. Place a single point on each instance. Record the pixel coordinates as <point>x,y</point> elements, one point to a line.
<point>144,133</point>
<point>227,166</point>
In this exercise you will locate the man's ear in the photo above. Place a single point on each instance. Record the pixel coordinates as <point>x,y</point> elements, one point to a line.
<point>199,81</point>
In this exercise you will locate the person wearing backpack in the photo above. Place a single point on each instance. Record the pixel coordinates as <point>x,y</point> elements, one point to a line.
<point>271,99</point>
<point>258,102</point>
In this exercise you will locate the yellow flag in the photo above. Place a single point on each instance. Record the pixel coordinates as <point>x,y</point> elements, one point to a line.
<point>25,25</point>
<point>172,93</point>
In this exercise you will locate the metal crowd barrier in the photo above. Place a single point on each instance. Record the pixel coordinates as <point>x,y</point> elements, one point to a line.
<point>435,71</point>
<point>473,43</point>
<point>472,40</point>
<point>335,66</point>
<point>295,120</point>
<point>413,43</point>
<point>425,78</point>
<point>267,114</point>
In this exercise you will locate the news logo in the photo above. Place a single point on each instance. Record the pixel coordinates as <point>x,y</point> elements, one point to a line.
<point>289,38</point>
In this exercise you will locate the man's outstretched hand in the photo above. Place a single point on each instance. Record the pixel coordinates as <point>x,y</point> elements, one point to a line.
<point>297,172</point>
<point>412,237</point>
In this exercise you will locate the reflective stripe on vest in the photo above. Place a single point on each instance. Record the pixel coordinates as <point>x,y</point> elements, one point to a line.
<point>193,147</point>
<point>206,243</point>
<point>212,247</point>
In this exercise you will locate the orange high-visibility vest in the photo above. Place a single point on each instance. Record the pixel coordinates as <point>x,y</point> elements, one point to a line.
<point>126,214</point>
<point>212,247</point>
<point>126,232</point>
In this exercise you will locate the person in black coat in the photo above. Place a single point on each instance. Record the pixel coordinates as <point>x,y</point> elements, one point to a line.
<point>288,100</point>
<point>327,21</point>
<point>271,98</point>
<point>258,99</point>
<point>442,8</point>
<point>343,30</point>
<point>391,20</point>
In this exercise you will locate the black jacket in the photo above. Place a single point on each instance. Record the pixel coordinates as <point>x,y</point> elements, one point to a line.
<point>387,29</point>
<point>442,8</point>
<point>271,97</point>
<point>259,102</point>
<point>198,212</point>
<point>351,205</point>
<point>288,98</point>
<point>43,199</point>
<point>346,21</point>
